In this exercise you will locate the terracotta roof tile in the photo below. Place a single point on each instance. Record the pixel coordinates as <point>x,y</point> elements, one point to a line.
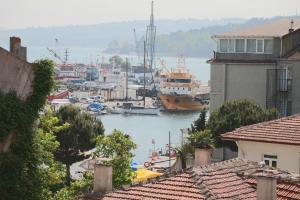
<point>224,180</point>
<point>283,131</point>
<point>276,28</point>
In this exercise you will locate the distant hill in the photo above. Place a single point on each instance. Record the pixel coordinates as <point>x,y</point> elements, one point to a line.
<point>188,37</point>
<point>100,35</point>
<point>193,43</point>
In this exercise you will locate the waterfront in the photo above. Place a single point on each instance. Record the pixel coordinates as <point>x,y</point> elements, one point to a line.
<point>197,66</point>
<point>143,129</point>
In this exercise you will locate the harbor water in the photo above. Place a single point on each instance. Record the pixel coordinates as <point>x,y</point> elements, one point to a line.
<point>146,129</point>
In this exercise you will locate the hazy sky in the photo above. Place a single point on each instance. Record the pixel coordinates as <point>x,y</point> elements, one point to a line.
<point>28,13</point>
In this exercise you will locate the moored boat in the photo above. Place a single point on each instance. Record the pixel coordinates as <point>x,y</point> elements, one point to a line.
<point>179,91</point>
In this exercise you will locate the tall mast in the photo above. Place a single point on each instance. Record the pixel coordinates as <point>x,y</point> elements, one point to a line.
<point>150,42</point>
<point>144,93</point>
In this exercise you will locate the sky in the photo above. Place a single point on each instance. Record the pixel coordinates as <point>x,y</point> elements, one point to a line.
<point>45,13</point>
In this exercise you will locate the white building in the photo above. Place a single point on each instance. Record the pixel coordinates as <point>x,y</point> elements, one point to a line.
<point>275,142</point>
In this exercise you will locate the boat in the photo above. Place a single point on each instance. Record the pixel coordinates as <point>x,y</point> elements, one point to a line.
<point>129,108</point>
<point>179,91</point>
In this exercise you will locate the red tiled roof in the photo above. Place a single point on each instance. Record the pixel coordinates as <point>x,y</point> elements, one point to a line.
<point>179,187</point>
<point>285,190</point>
<point>223,180</point>
<point>276,28</point>
<point>282,131</point>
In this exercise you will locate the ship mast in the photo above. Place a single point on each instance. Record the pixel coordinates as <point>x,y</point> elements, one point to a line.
<point>150,43</point>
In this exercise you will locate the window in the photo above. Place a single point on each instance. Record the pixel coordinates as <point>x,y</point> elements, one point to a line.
<point>231,44</point>
<point>240,45</point>
<point>223,45</point>
<point>268,45</point>
<point>251,45</point>
<point>259,45</point>
<point>270,160</point>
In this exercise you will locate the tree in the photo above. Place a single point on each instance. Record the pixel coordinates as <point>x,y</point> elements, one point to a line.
<point>237,113</point>
<point>51,171</point>
<point>116,59</point>
<point>118,147</point>
<point>79,137</point>
<point>201,139</point>
<point>200,123</point>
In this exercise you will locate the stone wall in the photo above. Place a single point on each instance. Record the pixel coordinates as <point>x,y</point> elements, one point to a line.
<point>15,74</point>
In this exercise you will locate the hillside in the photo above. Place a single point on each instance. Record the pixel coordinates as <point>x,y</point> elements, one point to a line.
<point>193,43</point>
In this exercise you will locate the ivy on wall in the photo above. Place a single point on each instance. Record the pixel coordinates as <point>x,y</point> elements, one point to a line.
<point>19,170</point>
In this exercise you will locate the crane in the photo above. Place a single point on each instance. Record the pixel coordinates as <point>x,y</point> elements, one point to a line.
<point>137,46</point>
<point>54,52</point>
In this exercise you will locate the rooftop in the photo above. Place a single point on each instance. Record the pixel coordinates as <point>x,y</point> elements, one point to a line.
<point>277,28</point>
<point>224,180</point>
<point>281,131</point>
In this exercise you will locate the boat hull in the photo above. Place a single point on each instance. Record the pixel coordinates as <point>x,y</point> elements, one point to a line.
<point>181,102</point>
<point>144,111</point>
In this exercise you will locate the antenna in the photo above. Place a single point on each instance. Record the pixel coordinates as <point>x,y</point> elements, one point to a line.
<point>292,26</point>
<point>66,55</point>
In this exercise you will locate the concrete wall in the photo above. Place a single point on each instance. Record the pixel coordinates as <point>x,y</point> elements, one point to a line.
<point>238,81</point>
<point>288,155</point>
<point>217,85</point>
<point>295,87</point>
<point>247,81</point>
<point>16,74</point>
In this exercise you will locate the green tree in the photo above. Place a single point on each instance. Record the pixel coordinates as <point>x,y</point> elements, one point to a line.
<point>118,147</point>
<point>237,113</point>
<point>200,123</point>
<point>51,171</point>
<point>201,139</point>
<point>79,137</point>
<point>116,59</point>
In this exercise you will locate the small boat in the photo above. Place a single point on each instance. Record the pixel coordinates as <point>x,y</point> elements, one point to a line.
<point>129,108</point>
<point>95,107</point>
<point>116,110</point>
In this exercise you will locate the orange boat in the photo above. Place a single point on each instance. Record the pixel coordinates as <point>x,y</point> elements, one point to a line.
<point>179,91</point>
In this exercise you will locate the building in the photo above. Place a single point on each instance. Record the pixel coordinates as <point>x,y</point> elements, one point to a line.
<point>275,142</point>
<point>261,63</point>
<point>231,179</point>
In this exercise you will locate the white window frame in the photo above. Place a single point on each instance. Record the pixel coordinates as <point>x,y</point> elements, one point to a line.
<point>263,46</point>
<point>267,157</point>
<point>245,45</point>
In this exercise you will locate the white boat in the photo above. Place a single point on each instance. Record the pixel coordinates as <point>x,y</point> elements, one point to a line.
<point>129,108</point>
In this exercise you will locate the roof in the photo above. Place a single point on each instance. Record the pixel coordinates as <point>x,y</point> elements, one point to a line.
<point>277,28</point>
<point>222,180</point>
<point>281,131</point>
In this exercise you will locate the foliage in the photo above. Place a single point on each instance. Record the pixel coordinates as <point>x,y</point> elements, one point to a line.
<point>116,59</point>
<point>80,136</point>
<point>19,167</point>
<point>76,189</point>
<point>183,152</point>
<point>201,139</point>
<point>118,147</point>
<point>237,113</point>
<point>200,123</point>
<point>52,172</point>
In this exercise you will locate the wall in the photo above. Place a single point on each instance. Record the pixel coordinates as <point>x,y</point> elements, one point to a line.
<point>238,81</point>
<point>247,81</point>
<point>16,74</point>
<point>296,87</point>
<point>217,83</point>
<point>288,155</point>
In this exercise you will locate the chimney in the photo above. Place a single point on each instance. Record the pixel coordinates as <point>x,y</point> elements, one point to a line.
<point>202,156</point>
<point>266,186</point>
<point>102,177</point>
<point>16,48</point>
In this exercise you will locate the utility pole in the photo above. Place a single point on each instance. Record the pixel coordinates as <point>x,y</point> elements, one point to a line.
<point>126,79</point>
<point>144,93</point>
<point>170,151</point>
<point>66,55</point>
